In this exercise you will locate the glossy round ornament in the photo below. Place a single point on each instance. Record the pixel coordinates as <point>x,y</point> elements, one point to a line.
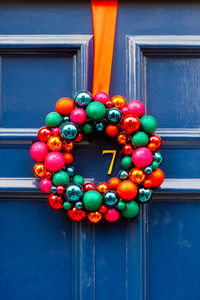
<point>61,178</point>
<point>123,175</point>
<point>130,124</point>
<point>48,174</point>
<point>112,130</point>
<point>68,145</point>
<point>79,138</point>
<point>78,179</point>
<point>44,133</point>
<point>54,161</point>
<point>112,215</point>
<point>76,214</point>
<point>127,149</point>
<point>69,131</point>
<point>155,165</point>
<point>136,108</point>
<point>148,170</point>
<point>157,177</point>
<point>158,157</point>
<point>122,139</point>
<point>39,170</point>
<point>92,200</point>
<point>118,101</point>
<point>64,106</point>
<point>121,205</point>
<point>67,205</point>
<point>54,143</point>
<point>147,183</point>
<point>114,115</point>
<point>71,171</point>
<point>137,175</point>
<point>79,205</point>
<point>68,157</point>
<point>99,126</point>
<point>101,97</point>
<point>102,187</point>
<point>38,151</point>
<point>60,189</point>
<point>87,128</point>
<point>148,124</point>
<point>78,116</point>
<point>88,186</point>
<point>55,201</point>
<point>127,190</point>
<point>142,157</point>
<point>103,209</point>
<point>96,111</point>
<point>127,162</point>
<point>144,195</point>
<point>82,99</point>
<point>94,217</point>
<point>45,185</point>
<point>113,183</point>
<point>53,119</point>
<point>140,139</point>
<point>74,192</point>
<point>156,140</point>
<point>131,210</point>
<point>110,198</point>
<point>54,190</point>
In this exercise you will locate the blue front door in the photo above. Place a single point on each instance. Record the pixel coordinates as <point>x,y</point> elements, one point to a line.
<point>46,53</point>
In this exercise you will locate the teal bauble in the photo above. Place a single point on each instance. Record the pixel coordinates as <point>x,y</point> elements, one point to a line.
<point>144,195</point>
<point>53,190</point>
<point>96,111</point>
<point>74,192</point>
<point>114,115</point>
<point>131,210</point>
<point>140,139</point>
<point>70,171</point>
<point>53,119</point>
<point>127,162</point>
<point>148,170</point>
<point>87,128</point>
<point>148,124</point>
<point>123,175</point>
<point>79,205</point>
<point>158,157</point>
<point>67,205</point>
<point>99,126</point>
<point>155,165</point>
<point>92,200</point>
<point>61,178</point>
<point>121,205</point>
<point>82,99</point>
<point>78,179</point>
<point>110,198</point>
<point>69,131</point>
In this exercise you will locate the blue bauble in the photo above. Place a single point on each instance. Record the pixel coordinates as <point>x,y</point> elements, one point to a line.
<point>69,131</point>
<point>123,175</point>
<point>148,170</point>
<point>82,99</point>
<point>114,115</point>
<point>144,195</point>
<point>74,192</point>
<point>70,171</point>
<point>99,126</point>
<point>110,198</point>
<point>158,157</point>
<point>79,205</point>
<point>53,190</point>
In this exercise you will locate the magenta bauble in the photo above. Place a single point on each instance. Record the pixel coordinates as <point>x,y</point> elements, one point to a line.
<point>56,131</point>
<point>136,107</point>
<point>78,116</point>
<point>45,185</point>
<point>125,110</point>
<point>142,157</point>
<point>38,151</point>
<point>54,161</point>
<point>112,215</point>
<point>101,97</point>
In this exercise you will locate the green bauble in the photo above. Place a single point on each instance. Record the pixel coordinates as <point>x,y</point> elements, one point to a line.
<point>96,111</point>
<point>121,205</point>
<point>92,200</point>
<point>53,119</point>
<point>61,178</point>
<point>67,205</point>
<point>131,210</point>
<point>127,162</point>
<point>140,139</point>
<point>148,124</point>
<point>78,179</point>
<point>87,128</point>
<point>155,165</point>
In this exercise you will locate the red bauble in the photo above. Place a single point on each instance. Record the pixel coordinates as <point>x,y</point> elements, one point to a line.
<point>102,187</point>
<point>127,149</point>
<point>157,177</point>
<point>60,189</point>
<point>68,158</point>
<point>94,217</point>
<point>130,124</point>
<point>155,139</point>
<point>48,174</point>
<point>68,146</point>
<point>122,138</point>
<point>113,183</point>
<point>55,201</point>
<point>112,130</point>
<point>103,209</point>
<point>76,214</point>
<point>79,138</point>
<point>108,104</point>
<point>44,133</point>
<point>88,187</point>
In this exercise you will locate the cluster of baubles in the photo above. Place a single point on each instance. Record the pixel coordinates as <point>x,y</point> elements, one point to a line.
<point>132,130</point>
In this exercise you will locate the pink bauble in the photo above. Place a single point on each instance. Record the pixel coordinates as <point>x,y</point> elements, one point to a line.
<point>137,108</point>
<point>56,131</point>
<point>125,110</point>
<point>38,151</point>
<point>142,157</point>
<point>78,116</point>
<point>45,185</point>
<point>101,97</point>
<point>112,215</point>
<point>54,161</point>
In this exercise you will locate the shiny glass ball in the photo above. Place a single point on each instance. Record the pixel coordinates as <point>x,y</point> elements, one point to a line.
<point>123,175</point>
<point>130,124</point>
<point>114,115</point>
<point>99,126</point>
<point>39,170</point>
<point>82,99</point>
<point>127,149</point>
<point>67,205</point>
<point>158,157</point>
<point>94,217</point>
<point>54,143</point>
<point>110,198</point>
<point>76,214</point>
<point>148,170</point>
<point>137,175</point>
<point>53,189</point>
<point>70,171</point>
<point>44,133</point>
<point>118,101</point>
<point>69,131</point>
<point>74,192</point>
<point>66,119</point>
<point>68,146</point>
<point>155,165</point>
<point>144,195</point>
<point>122,139</point>
<point>79,205</point>
<point>121,205</point>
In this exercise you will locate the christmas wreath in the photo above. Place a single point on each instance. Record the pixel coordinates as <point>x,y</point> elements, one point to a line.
<point>72,121</point>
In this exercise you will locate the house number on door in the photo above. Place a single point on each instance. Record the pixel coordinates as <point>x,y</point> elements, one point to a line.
<point>113,152</point>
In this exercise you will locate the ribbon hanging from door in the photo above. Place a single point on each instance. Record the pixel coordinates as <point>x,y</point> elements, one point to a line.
<point>104,15</point>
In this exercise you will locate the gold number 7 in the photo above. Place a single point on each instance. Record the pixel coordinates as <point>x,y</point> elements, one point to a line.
<point>113,152</point>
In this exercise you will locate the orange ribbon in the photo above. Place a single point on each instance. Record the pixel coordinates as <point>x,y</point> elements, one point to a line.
<point>104,15</point>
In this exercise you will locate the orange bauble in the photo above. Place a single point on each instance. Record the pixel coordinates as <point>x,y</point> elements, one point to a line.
<point>152,147</point>
<point>112,130</point>
<point>157,177</point>
<point>54,143</point>
<point>127,190</point>
<point>137,175</point>
<point>68,158</point>
<point>122,139</point>
<point>147,183</point>
<point>39,170</point>
<point>65,106</point>
<point>68,146</point>
<point>94,217</point>
<point>102,187</point>
<point>113,183</point>
<point>118,102</point>
<point>103,209</point>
